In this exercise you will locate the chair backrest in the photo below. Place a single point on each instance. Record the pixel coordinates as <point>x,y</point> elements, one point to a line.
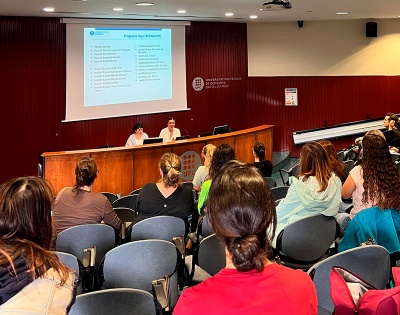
<point>271,182</point>
<point>77,238</point>
<point>125,214</point>
<point>205,227</point>
<point>111,301</point>
<point>294,171</point>
<point>136,191</point>
<point>349,164</point>
<point>161,228</point>
<point>340,156</point>
<point>69,260</point>
<point>136,264</point>
<point>279,192</point>
<point>110,196</point>
<point>125,202</point>
<point>211,255</point>
<point>307,239</point>
<point>371,263</point>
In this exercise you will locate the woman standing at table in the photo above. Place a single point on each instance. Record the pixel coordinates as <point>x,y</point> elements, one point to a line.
<point>170,132</point>
<point>137,137</point>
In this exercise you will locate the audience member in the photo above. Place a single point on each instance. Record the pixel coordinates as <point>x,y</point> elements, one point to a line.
<point>137,137</point>
<point>170,132</point>
<point>392,134</point>
<point>367,181</point>
<point>316,190</point>
<point>203,171</point>
<point>33,280</point>
<point>166,197</point>
<point>337,167</point>
<point>79,205</point>
<point>242,214</point>
<point>260,162</point>
<point>222,154</point>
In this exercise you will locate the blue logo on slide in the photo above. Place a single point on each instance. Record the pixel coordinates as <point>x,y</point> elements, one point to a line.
<point>91,33</point>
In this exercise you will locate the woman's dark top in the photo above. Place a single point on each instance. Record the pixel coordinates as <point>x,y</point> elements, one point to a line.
<point>265,167</point>
<point>151,203</point>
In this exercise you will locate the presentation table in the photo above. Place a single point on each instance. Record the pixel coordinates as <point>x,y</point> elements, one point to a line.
<point>123,169</point>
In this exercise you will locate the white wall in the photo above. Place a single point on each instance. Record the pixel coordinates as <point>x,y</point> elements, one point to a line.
<point>328,48</point>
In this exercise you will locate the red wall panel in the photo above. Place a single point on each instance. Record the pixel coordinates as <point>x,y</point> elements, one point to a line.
<point>323,101</point>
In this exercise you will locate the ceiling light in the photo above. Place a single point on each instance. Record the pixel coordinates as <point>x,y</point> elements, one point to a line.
<point>342,13</point>
<point>144,3</point>
<point>276,5</point>
<point>182,11</point>
<point>118,9</point>
<point>48,9</point>
<point>253,16</point>
<point>229,14</point>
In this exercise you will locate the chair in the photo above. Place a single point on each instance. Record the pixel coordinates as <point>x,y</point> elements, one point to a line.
<point>271,182</point>
<point>372,263</point>
<point>279,192</point>
<point>69,260</point>
<point>127,217</point>
<point>161,228</point>
<point>136,264</point>
<point>72,263</point>
<point>115,301</point>
<point>126,202</point>
<point>348,165</point>
<point>291,172</point>
<point>304,242</point>
<point>77,240</point>
<point>205,134</point>
<point>340,155</point>
<point>136,191</point>
<point>110,196</point>
<point>207,260</point>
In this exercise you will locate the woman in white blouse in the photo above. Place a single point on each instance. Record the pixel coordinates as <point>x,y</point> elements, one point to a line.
<point>170,133</point>
<point>137,137</point>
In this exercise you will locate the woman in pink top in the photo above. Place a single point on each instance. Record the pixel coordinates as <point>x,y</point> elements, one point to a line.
<point>242,214</point>
<point>368,183</point>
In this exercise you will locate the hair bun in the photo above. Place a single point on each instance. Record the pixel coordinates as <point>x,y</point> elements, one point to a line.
<point>247,253</point>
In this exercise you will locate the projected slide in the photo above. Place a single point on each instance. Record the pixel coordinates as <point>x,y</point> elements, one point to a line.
<point>124,65</point>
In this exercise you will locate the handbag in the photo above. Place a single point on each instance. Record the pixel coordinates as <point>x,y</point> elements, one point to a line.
<point>353,295</point>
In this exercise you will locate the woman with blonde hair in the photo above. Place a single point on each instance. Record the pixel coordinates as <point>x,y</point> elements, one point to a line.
<point>316,190</point>
<point>33,280</point>
<point>166,197</point>
<point>202,172</point>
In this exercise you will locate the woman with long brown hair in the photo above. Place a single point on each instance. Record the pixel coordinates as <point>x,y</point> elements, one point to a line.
<point>374,180</point>
<point>242,214</point>
<point>32,278</point>
<point>316,190</point>
<point>375,188</point>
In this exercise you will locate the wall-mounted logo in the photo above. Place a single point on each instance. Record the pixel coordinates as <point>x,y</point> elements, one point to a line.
<point>190,163</point>
<point>198,84</point>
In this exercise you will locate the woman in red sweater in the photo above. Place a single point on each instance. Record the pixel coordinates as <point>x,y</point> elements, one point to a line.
<point>242,214</point>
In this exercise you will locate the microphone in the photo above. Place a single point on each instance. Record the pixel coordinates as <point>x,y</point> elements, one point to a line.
<point>187,132</point>
<point>108,146</point>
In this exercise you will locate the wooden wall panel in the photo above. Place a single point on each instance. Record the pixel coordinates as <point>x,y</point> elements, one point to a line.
<point>323,101</point>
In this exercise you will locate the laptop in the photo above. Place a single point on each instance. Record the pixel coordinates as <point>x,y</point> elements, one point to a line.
<point>182,137</point>
<point>152,140</point>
